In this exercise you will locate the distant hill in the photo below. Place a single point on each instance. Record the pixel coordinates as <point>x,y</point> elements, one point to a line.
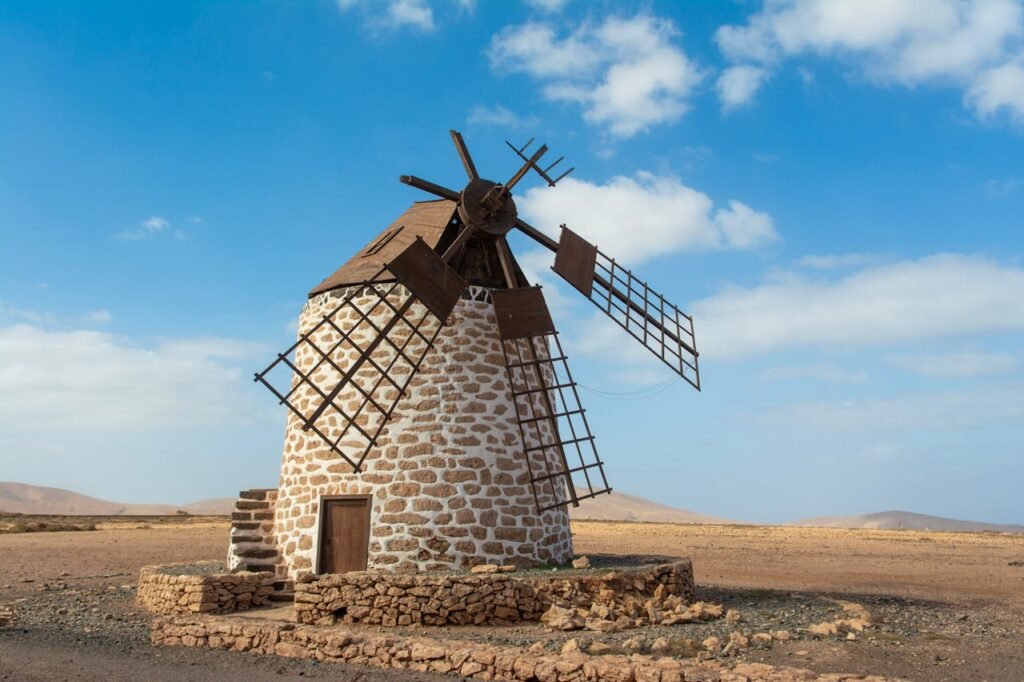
<point>35,499</point>
<point>901,520</point>
<point>621,507</point>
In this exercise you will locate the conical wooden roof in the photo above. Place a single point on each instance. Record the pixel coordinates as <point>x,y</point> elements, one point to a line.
<point>424,219</point>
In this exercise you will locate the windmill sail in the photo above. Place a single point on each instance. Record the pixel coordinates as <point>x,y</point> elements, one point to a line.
<point>374,342</point>
<point>658,324</point>
<point>559,448</point>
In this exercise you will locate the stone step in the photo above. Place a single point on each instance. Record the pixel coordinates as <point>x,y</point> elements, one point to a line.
<point>251,505</point>
<point>257,493</point>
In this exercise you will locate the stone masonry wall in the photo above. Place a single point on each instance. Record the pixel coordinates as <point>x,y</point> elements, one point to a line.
<point>448,477</point>
<point>472,660</point>
<point>253,542</point>
<point>461,599</point>
<point>175,589</point>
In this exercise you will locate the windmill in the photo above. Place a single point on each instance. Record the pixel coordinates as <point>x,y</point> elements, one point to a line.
<point>428,390</point>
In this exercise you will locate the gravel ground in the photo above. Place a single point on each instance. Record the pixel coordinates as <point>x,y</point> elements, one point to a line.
<point>66,632</point>
<point>932,622</point>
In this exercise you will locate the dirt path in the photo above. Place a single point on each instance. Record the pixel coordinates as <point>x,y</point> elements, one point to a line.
<point>948,606</point>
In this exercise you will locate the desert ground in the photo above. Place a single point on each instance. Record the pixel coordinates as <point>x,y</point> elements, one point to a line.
<point>944,606</point>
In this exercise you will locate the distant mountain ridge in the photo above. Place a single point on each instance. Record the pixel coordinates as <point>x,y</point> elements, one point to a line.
<point>22,498</point>
<point>901,520</point>
<point>617,506</point>
<point>33,499</point>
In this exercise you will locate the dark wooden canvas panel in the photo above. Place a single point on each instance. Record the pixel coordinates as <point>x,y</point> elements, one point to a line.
<point>575,260</point>
<point>426,220</point>
<point>344,534</point>
<point>521,313</point>
<point>428,278</point>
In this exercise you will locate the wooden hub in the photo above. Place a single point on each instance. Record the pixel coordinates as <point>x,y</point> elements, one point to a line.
<point>487,206</point>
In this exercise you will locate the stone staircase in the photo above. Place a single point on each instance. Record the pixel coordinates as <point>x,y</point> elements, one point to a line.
<point>253,543</point>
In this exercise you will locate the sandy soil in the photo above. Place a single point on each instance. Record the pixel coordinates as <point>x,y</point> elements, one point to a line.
<point>948,606</point>
<point>925,565</point>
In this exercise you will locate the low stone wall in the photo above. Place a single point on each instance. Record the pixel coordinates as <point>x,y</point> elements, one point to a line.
<point>468,659</point>
<point>393,599</point>
<point>199,588</point>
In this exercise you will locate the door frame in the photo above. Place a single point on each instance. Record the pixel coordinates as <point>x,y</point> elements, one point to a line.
<point>320,525</point>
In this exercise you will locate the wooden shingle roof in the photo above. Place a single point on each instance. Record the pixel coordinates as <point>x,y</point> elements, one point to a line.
<point>426,220</point>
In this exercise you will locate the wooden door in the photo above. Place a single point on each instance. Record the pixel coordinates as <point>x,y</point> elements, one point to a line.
<point>344,534</point>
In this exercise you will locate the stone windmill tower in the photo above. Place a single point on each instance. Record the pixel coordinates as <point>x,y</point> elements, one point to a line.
<point>433,422</point>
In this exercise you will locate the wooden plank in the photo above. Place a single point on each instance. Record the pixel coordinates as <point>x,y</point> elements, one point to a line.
<point>345,535</point>
<point>575,261</point>
<point>428,278</point>
<point>521,313</point>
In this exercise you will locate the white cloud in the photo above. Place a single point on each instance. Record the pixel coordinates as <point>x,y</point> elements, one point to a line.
<point>414,13</point>
<point>1003,188</point>
<point>96,381</point>
<point>552,6</point>
<point>150,227</point>
<point>834,261</point>
<point>744,228</point>
<point>997,89</point>
<point>821,372</point>
<point>498,116</point>
<point>944,295</point>
<point>398,14</point>
<point>639,217</point>
<point>909,42</point>
<point>97,317</point>
<point>738,84</point>
<point>963,364</point>
<point>947,411</point>
<point>626,74</point>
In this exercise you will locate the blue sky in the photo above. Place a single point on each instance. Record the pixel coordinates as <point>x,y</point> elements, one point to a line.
<point>834,189</point>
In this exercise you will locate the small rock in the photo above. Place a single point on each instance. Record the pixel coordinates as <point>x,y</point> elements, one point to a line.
<point>570,646</point>
<point>739,640</point>
<point>602,625</point>
<point>705,611</point>
<point>800,653</point>
<point>823,629</point>
<point>732,616</point>
<point>660,645</point>
<point>558,618</point>
<point>850,636</point>
<point>782,635</point>
<point>712,644</point>
<point>108,616</point>
<point>634,644</point>
<point>598,648</point>
<point>761,638</point>
<point>537,648</point>
<point>62,611</point>
<point>581,562</point>
<point>484,568</point>
<point>507,568</point>
<point>624,623</point>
